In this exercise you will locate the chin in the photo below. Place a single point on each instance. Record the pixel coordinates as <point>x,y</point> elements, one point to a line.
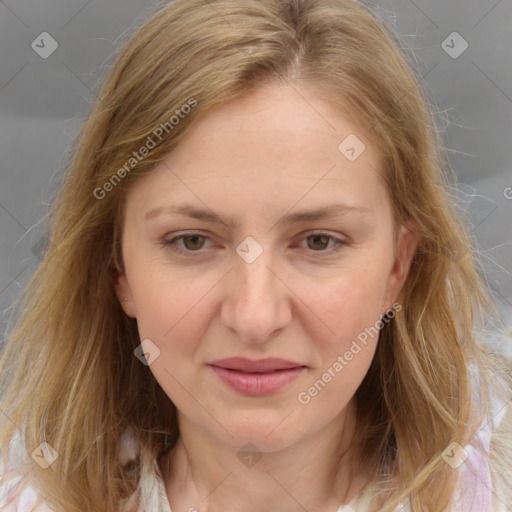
<point>267,437</point>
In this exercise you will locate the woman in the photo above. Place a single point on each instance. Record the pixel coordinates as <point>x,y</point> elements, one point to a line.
<point>257,369</point>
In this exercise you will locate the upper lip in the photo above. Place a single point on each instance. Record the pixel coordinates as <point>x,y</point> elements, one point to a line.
<point>262,365</point>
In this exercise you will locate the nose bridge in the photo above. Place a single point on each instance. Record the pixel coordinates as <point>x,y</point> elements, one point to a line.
<point>256,304</point>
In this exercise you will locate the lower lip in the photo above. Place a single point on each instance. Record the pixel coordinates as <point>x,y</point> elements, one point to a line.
<point>257,384</point>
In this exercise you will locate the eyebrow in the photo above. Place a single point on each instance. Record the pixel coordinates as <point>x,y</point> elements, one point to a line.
<point>336,210</point>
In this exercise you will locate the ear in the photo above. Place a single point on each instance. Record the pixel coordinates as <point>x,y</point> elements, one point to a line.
<point>405,250</point>
<point>124,295</point>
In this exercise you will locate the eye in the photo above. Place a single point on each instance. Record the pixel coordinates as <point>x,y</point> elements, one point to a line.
<point>193,243</point>
<point>321,239</point>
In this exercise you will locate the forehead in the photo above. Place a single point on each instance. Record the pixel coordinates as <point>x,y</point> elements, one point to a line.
<point>277,145</point>
<point>283,119</point>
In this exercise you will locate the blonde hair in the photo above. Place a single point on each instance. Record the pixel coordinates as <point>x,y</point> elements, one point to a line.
<point>68,374</point>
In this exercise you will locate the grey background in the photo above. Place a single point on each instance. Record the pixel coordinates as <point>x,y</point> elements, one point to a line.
<point>43,102</point>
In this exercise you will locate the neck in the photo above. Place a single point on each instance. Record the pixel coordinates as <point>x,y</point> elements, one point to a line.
<point>318,473</point>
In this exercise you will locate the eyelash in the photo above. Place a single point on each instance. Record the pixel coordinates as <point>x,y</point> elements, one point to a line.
<point>170,244</point>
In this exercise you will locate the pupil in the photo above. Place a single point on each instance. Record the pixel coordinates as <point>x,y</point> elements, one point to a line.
<point>315,237</point>
<point>193,237</point>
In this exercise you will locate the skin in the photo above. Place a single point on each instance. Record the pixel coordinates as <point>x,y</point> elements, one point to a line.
<point>256,159</point>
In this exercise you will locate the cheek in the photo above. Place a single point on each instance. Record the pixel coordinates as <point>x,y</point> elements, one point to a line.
<point>351,308</point>
<point>166,296</point>
<point>175,319</point>
<point>347,304</point>
<point>332,388</point>
<point>171,312</point>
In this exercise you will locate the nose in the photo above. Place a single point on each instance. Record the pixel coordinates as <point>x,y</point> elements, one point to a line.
<point>257,302</point>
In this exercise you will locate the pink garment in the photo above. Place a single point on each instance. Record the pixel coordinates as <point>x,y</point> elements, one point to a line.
<point>474,491</point>
<point>475,484</point>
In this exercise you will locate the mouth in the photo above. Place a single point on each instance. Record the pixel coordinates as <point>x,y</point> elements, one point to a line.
<point>257,378</point>
<point>267,365</point>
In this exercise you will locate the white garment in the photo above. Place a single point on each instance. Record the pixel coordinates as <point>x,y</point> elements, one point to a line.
<point>474,477</point>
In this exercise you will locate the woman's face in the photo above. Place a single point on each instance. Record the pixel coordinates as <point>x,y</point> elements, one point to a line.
<point>261,284</point>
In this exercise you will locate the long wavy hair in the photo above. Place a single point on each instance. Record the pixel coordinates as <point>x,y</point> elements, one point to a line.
<point>68,375</point>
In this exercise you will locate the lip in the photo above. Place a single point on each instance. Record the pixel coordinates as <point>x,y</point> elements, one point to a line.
<point>256,378</point>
